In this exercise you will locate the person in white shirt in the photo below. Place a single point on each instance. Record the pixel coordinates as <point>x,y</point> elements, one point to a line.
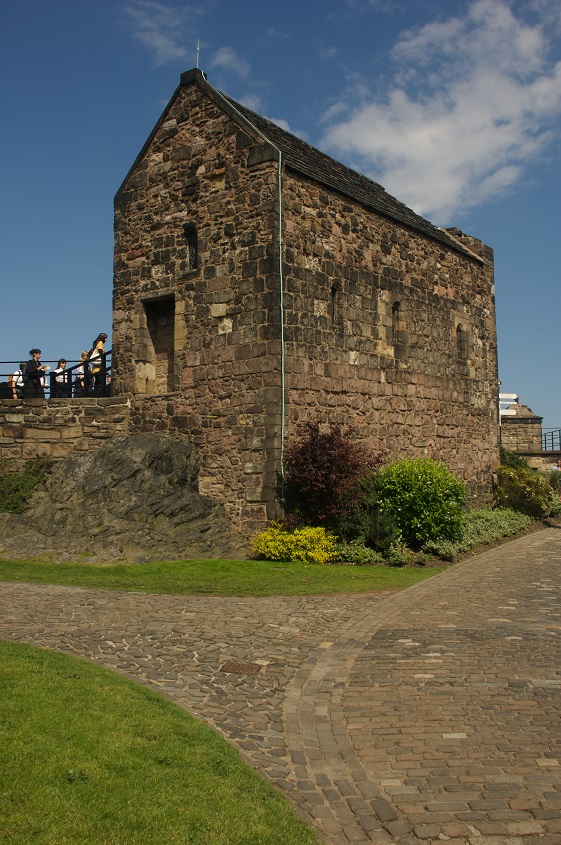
<point>60,383</point>
<point>82,379</point>
<point>16,381</point>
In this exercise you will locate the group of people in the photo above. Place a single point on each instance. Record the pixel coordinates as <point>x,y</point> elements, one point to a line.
<point>87,379</point>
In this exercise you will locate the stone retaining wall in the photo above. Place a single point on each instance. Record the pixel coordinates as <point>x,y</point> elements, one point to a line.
<point>58,427</point>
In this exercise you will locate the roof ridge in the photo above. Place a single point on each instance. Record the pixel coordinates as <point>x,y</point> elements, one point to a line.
<point>366,191</point>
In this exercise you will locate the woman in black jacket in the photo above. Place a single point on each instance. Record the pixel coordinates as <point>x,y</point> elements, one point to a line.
<point>32,379</point>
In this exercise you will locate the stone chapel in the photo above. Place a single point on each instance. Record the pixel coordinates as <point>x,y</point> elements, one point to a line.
<point>260,284</point>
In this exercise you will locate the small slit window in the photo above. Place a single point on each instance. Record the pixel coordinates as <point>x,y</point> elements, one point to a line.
<point>396,322</point>
<point>461,343</point>
<point>334,303</point>
<point>190,233</point>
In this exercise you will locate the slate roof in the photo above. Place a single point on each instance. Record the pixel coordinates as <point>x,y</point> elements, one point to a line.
<point>311,162</point>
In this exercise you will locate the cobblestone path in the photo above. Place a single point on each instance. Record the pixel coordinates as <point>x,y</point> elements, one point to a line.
<point>427,716</point>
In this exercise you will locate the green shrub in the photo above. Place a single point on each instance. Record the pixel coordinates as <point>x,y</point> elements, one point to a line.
<point>357,554</point>
<point>357,519</point>
<point>524,491</point>
<point>303,545</point>
<point>481,527</point>
<point>484,526</point>
<point>17,487</point>
<point>510,459</point>
<point>385,533</point>
<point>554,479</point>
<point>398,555</point>
<point>425,498</point>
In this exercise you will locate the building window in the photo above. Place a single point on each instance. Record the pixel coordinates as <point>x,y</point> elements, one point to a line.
<point>396,323</point>
<point>190,233</point>
<point>334,303</point>
<point>461,343</point>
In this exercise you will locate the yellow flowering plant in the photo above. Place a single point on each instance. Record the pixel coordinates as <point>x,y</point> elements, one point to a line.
<point>302,545</point>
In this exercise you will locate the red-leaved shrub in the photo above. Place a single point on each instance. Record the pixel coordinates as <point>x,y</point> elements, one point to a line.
<point>322,473</point>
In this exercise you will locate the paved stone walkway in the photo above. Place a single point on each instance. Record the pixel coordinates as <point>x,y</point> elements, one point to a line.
<point>427,716</point>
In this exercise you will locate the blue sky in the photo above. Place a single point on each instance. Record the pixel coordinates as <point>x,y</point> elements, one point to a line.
<point>454,107</point>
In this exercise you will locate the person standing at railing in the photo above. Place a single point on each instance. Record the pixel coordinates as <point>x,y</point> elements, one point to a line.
<point>33,377</point>
<point>60,386</point>
<point>97,363</point>
<point>16,381</point>
<point>83,378</point>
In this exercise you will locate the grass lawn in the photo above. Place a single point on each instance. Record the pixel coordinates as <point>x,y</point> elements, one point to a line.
<point>89,757</point>
<point>218,577</point>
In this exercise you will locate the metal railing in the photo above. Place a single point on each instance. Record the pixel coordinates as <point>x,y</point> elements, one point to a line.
<point>74,382</point>
<point>551,440</point>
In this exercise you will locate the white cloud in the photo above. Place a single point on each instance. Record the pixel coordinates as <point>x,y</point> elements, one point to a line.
<point>251,101</point>
<point>472,101</point>
<point>228,60</point>
<point>161,28</point>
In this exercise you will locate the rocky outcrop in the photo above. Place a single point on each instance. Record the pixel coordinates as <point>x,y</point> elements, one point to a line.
<point>135,499</point>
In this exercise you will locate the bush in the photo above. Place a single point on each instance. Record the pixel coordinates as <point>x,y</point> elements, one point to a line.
<point>323,472</point>
<point>16,487</point>
<point>384,533</point>
<point>303,545</point>
<point>481,527</point>
<point>524,491</point>
<point>398,555</point>
<point>554,479</point>
<point>425,498</point>
<point>510,459</point>
<point>487,526</point>
<point>357,554</point>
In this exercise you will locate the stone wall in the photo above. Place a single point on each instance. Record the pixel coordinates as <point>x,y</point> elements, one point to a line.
<point>373,312</point>
<point>521,435</point>
<point>384,328</point>
<point>58,427</point>
<point>197,228</point>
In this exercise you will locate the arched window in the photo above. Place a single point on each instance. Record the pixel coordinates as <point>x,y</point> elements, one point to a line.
<point>190,232</point>
<point>396,323</point>
<point>461,343</point>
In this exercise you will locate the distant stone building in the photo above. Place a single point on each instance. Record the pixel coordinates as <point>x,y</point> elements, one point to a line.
<point>260,284</point>
<point>521,430</point>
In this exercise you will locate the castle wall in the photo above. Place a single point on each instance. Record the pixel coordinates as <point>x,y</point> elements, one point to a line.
<point>58,427</point>
<point>374,313</point>
<point>195,257</point>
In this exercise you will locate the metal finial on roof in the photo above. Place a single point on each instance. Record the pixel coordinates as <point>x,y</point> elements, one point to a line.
<point>198,51</point>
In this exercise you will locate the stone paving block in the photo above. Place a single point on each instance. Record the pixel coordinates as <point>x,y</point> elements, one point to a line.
<point>512,815</point>
<point>488,828</point>
<point>354,833</point>
<point>397,828</point>
<point>525,828</point>
<point>455,829</point>
<point>496,840</point>
<point>553,826</point>
<point>379,837</point>
<point>426,831</point>
<point>384,810</point>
